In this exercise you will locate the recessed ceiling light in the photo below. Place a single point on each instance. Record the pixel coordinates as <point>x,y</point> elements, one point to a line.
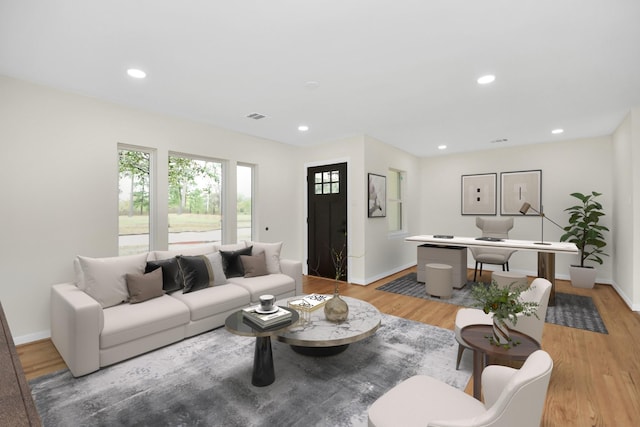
<point>557,131</point>
<point>136,73</point>
<point>312,85</point>
<point>303,128</point>
<point>489,78</point>
<point>442,147</point>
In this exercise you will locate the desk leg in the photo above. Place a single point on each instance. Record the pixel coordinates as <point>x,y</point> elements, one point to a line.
<point>547,269</point>
<point>478,366</point>
<point>263,372</point>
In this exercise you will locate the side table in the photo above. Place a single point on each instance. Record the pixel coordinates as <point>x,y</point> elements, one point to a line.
<point>476,337</point>
<point>263,372</point>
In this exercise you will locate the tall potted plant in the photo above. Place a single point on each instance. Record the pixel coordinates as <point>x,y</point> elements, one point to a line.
<point>585,231</point>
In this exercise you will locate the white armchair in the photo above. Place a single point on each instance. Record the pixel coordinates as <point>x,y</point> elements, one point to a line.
<point>513,397</point>
<point>538,291</point>
<point>497,228</point>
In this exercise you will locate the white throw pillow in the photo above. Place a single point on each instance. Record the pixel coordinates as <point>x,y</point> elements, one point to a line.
<point>104,279</point>
<point>216,265</point>
<point>231,247</point>
<point>271,252</point>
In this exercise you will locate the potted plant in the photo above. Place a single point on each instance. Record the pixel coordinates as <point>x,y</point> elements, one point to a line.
<point>585,231</point>
<point>504,304</point>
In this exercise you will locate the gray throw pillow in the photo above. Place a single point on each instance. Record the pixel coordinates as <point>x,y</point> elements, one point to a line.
<point>143,287</point>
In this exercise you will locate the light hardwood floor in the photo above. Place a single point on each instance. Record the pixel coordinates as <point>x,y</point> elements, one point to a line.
<point>596,377</point>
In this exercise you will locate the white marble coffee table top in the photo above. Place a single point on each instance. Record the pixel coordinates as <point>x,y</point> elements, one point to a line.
<point>363,321</point>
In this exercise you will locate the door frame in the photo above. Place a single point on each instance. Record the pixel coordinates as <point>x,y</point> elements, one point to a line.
<point>305,240</point>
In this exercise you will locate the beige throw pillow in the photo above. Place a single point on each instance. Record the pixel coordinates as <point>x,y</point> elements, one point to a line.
<point>254,265</point>
<point>271,252</point>
<point>104,279</point>
<point>143,287</point>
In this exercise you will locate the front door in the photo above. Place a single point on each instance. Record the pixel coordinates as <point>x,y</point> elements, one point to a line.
<point>327,221</point>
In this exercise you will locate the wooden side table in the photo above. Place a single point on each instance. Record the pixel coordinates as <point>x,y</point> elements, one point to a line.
<point>476,337</point>
<point>16,404</point>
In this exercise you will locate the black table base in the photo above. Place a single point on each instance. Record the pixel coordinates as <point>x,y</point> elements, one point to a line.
<point>263,372</point>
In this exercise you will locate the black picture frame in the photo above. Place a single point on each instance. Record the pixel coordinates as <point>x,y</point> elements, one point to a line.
<point>478,194</point>
<point>377,196</point>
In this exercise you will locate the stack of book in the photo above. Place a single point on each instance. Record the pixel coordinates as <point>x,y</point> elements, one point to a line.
<point>264,321</point>
<point>309,302</point>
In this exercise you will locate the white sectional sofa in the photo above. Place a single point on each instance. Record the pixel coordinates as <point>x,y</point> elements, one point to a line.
<point>114,311</point>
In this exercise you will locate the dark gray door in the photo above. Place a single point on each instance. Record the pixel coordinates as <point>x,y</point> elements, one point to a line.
<point>327,221</point>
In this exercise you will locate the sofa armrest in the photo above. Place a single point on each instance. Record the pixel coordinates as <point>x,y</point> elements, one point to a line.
<point>293,269</point>
<point>76,324</point>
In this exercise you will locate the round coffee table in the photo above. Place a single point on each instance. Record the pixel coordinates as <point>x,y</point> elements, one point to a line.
<point>263,372</point>
<point>319,337</point>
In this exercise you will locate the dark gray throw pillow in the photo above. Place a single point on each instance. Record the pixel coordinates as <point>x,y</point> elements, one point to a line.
<point>171,276</point>
<point>231,262</point>
<point>196,272</point>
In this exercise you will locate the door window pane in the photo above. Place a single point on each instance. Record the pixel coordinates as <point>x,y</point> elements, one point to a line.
<point>133,201</point>
<point>195,201</point>
<point>245,202</point>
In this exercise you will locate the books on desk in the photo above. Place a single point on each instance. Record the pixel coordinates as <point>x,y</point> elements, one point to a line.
<point>269,320</point>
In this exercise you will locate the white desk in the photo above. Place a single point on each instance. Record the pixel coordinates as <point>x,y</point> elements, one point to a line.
<point>546,252</point>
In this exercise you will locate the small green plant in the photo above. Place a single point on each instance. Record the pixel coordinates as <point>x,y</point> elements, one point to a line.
<point>584,229</point>
<point>503,302</point>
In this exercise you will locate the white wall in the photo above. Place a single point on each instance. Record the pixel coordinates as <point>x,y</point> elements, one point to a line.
<point>583,165</point>
<point>373,253</point>
<point>626,232</point>
<point>389,253</point>
<point>60,187</point>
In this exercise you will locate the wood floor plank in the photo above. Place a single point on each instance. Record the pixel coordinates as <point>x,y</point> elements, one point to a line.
<point>596,377</point>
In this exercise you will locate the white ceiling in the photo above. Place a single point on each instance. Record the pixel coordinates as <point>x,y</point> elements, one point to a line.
<point>401,71</point>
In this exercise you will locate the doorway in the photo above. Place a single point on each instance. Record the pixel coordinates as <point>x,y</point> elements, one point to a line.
<point>327,220</point>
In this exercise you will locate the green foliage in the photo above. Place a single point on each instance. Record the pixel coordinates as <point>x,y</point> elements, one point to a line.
<point>504,303</point>
<point>584,229</point>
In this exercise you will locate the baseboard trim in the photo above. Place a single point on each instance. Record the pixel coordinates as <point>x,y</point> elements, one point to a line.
<point>36,336</point>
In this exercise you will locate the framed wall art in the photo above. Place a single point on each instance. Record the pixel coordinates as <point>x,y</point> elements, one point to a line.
<point>518,188</point>
<point>479,194</point>
<point>377,196</point>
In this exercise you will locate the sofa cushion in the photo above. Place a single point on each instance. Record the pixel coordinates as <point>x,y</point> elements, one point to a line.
<point>231,247</point>
<point>188,250</point>
<point>272,254</point>
<point>211,301</point>
<point>276,284</point>
<point>171,275</point>
<point>231,262</point>
<point>196,272</point>
<point>143,287</point>
<point>219,277</point>
<point>104,279</point>
<point>254,265</point>
<point>128,322</point>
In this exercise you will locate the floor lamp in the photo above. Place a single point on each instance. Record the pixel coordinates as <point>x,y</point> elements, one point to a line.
<point>525,208</point>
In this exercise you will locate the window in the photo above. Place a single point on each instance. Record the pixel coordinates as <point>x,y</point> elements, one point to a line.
<point>244,177</point>
<point>195,201</point>
<point>395,217</point>
<point>134,200</point>
<point>327,182</point>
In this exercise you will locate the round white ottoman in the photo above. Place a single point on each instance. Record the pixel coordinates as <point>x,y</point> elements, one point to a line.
<point>506,278</point>
<point>439,280</point>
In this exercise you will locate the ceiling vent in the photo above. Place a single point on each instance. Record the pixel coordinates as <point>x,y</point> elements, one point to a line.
<point>256,116</point>
<point>497,141</point>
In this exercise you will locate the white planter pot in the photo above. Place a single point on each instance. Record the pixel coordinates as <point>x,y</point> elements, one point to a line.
<point>582,277</point>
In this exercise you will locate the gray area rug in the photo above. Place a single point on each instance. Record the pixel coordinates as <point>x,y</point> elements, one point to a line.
<point>574,311</point>
<point>206,381</point>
